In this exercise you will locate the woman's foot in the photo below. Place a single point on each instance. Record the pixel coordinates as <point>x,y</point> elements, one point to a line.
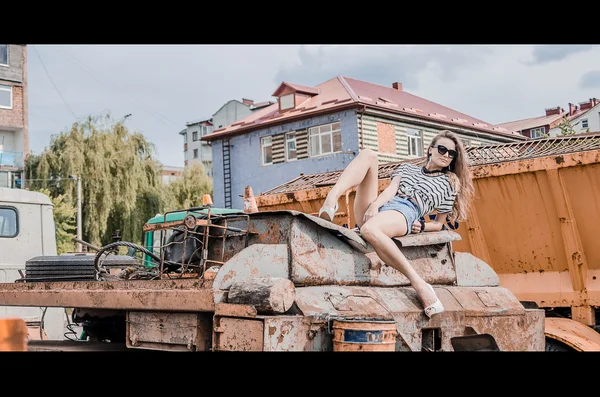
<point>429,299</point>
<point>328,211</point>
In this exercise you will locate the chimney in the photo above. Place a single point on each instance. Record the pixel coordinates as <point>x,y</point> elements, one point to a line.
<point>595,101</point>
<point>248,102</point>
<point>586,105</point>
<point>552,111</point>
<point>572,109</point>
<point>397,86</point>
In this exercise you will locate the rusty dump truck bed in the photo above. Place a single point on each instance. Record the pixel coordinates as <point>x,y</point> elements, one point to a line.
<point>534,221</point>
<point>317,277</point>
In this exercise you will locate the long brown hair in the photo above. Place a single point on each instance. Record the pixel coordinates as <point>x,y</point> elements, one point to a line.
<point>459,175</point>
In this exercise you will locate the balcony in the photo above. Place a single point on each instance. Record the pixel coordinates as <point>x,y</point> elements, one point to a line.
<point>11,159</point>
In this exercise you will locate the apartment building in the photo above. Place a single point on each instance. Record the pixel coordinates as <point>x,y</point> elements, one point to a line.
<point>14,137</point>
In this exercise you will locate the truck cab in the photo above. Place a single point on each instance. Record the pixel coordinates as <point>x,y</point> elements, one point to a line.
<point>27,230</point>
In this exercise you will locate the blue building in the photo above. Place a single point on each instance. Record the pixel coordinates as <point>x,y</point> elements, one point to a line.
<point>318,129</point>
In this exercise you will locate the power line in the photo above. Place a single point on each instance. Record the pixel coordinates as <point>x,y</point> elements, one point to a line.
<point>89,71</point>
<point>52,81</point>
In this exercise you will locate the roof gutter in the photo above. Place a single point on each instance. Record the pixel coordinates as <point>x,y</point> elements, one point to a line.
<point>251,128</point>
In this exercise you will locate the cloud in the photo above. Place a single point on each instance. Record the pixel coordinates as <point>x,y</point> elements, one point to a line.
<point>381,64</point>
<point>590,80</point>
<point>551,53</point>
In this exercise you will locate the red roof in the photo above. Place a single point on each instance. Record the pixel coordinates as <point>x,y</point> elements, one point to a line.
<point>532,122</point>
<point>343,92</point>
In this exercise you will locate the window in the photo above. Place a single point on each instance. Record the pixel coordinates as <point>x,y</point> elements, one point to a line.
<point>537,132</point>
<point>185,138</point>
<point>266,147</point>
<point>195,153</point>
<point>5,96</point>
<point>286,102</point>
<point>4,54</point>
<point>325,139</point>
<point>584,123</point>
<point>8,222</point>
<point>415,142</point>
<point>195,136</point>
<point>204,130</point>
<point>290,146</point>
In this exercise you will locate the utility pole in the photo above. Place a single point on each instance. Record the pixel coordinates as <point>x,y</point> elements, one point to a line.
<point>79,229</point>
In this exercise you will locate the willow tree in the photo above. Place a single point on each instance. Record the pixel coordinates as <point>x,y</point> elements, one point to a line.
<point>187,192</point>
<point>120,176</point>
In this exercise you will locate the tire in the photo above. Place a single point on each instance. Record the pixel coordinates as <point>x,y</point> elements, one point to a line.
<point>552,345</point>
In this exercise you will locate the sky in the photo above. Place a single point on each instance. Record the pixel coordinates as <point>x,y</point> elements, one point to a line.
<point>162,87</point>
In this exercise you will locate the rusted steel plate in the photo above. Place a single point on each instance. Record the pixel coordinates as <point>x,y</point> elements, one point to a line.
<point>321,258</point>
<point>287,333</point>
<point>429,238</point>
<point>179,295</point>
<point>234,334</point>
<point>575,334</point>
<point>258,260</point>
<point>164,331</point>
<point>179,300</point>
<point>473,272</point>
<point>234,310</point>
<point>488,310</point>
<point>169,284</point>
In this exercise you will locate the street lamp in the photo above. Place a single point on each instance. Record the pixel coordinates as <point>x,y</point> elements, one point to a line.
<point>79,231</point>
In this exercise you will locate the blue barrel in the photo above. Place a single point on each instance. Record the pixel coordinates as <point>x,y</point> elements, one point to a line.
<point>364,335</point>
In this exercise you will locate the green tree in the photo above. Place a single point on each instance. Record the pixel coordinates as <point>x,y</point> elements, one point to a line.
<point>65,220</point>
<point>187,191</point>
<point>121,178</point>
<point>566,127</point>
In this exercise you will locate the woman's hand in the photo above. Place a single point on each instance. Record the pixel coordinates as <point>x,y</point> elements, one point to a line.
<point>370,212</point>
<point>416,227</point>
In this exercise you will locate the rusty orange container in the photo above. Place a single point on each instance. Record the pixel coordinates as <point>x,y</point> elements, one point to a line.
<point>364,335</point>
<point>13,335</point>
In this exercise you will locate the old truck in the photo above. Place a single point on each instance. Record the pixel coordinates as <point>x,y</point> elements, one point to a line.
<point>209,279</point>
<point>27,230</point>
<point>534,221</point>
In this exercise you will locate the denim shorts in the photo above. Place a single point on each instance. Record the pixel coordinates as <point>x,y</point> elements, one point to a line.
<point>406,207</point>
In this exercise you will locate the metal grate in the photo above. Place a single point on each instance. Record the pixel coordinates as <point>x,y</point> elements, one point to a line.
<point>490,154</point>
<point>478,155</point>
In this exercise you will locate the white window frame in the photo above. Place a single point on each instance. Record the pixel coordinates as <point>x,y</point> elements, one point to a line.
<point>4,227</point>
<point>414,135</point>
<point>194,136</point>
<point>195,153</point>
<point>185,138</point>
<point>538,131</point>
<point>286,102</point>
<point>290,137</point>
<point>7,55</point>
<point>587,125</point>
<point>266,142</point>
<point>319,132</point>
<point>7,88</point>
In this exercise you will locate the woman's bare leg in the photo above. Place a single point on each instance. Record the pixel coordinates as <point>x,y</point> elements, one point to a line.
<point>362,172</point>
<point>378,231</point>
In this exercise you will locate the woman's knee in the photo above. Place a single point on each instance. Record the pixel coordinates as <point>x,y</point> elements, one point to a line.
<point>370,154</point>
<point>370,231</point>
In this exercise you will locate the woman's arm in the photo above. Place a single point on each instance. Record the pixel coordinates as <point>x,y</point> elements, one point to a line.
<point>387,193</point>
<point>433,226</point>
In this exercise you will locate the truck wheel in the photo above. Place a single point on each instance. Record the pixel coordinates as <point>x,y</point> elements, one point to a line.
<point>552,345</point>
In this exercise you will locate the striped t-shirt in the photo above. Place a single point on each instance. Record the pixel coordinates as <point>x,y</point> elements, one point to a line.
<point>432,192</point>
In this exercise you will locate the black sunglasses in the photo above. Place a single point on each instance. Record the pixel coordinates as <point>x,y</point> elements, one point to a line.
<point>443,150</point>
